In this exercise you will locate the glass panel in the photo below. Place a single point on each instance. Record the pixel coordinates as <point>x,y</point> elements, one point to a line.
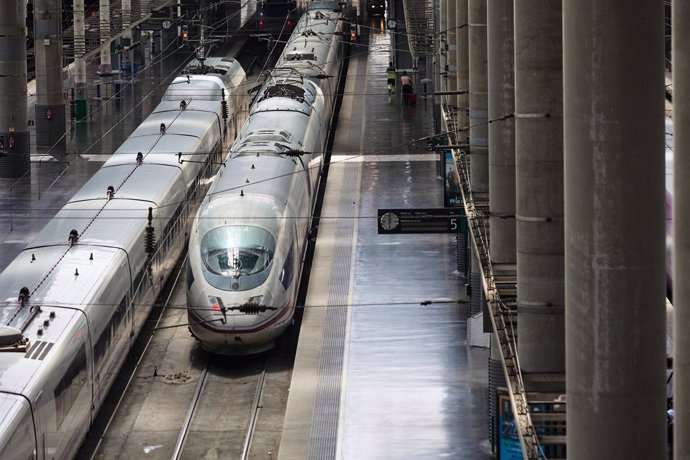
<point>237,251</point>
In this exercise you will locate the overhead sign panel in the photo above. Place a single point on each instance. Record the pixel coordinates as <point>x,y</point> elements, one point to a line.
<point>428,220</point>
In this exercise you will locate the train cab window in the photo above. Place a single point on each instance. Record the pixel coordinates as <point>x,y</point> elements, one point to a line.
<point>238,256</point>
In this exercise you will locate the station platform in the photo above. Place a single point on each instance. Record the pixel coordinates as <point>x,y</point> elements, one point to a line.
<point>377,375</point>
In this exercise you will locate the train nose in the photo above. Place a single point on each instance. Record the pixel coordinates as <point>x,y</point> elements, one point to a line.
<point>234,305</point>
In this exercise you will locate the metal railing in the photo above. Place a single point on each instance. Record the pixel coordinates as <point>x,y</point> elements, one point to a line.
<point>498,312</point>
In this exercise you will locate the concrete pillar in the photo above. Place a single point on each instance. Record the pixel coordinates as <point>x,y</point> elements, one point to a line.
<point>14,133</point>
<point>443,41</point>
<point>451,79</point>
<point>80,104</point>
<point>681,223</point>
<point>50,103</point>
<point>501,67</point>
<point>104,11</point>
<point>126,13</point>
<point>614,233</point>
<point>539,184</point>
<point>145,7</point>
<point>478,101</point>
<point>463,73</point>
<point>437,54</point>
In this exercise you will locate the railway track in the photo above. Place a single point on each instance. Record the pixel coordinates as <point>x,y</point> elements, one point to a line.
<point>174,400</point>
<point>233,386</point>
<point>127,374</point>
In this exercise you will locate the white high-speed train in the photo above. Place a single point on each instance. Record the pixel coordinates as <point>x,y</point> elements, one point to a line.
<point>247,244</point>
<point>75,299</point>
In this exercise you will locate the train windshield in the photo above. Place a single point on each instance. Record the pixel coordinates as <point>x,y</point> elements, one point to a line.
<point>240,253</point>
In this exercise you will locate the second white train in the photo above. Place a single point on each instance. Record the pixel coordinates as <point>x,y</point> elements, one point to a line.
<point>247,244</point>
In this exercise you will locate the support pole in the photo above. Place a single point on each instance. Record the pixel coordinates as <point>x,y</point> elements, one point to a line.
<point>437,53</point>
<point>463,72</point>
<point>501,67</point>
<point>539,185</point>
<point>80,106</point>
<point>104,11</point>
<point>126,13</point>
<point>14,133</point>
<point>681,223</point>
<point>479,154</point>
<point>451,39</point>
<point>614,233</point>
<point>443,41</point>
<point>50,102</point>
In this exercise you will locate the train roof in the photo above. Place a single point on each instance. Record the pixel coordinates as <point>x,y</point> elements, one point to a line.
<point>15,374</point>
<point>286,92</point>
<point>161,150</point>
<point>69,284</point>
<point>149,183</point>
<point>186,122</point>
<point>116,222</point>
<point>232,209</point>
<point>309,47</point>
<point>201,87</point>
<point>58,293</point>
<point>212,65</point>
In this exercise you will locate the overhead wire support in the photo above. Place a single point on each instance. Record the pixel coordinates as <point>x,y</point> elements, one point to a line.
<point>497,312</point>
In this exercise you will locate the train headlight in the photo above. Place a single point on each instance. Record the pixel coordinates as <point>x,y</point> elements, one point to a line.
<point>216,303</point>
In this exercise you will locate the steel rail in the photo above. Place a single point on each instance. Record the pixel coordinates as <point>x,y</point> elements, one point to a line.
<point>141,356</point>
<point>254,415</point>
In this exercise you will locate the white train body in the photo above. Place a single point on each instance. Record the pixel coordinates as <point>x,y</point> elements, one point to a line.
<point>86,300</point>
<point>247,244</point>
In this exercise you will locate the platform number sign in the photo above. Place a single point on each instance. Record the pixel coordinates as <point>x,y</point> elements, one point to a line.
<point>433,220</point>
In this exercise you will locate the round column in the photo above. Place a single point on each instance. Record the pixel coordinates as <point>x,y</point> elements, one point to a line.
<point>614,234</point>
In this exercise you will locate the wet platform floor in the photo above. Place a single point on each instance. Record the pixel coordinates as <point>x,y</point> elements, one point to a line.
<point>377,375</point>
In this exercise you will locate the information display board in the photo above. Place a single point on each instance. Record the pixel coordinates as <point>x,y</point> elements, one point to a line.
<point>430,220</point>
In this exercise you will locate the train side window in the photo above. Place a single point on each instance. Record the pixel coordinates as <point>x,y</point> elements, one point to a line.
<point>116,320</point>
<point>70,385</point>
<point>102,346</point>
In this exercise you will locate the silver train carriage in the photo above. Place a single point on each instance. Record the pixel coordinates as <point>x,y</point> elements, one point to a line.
<point>247,244</point>
<point>76,297</point>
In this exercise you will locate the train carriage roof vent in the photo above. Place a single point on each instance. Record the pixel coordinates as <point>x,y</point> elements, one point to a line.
<point>39,350</point>
<point>12,340</point>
